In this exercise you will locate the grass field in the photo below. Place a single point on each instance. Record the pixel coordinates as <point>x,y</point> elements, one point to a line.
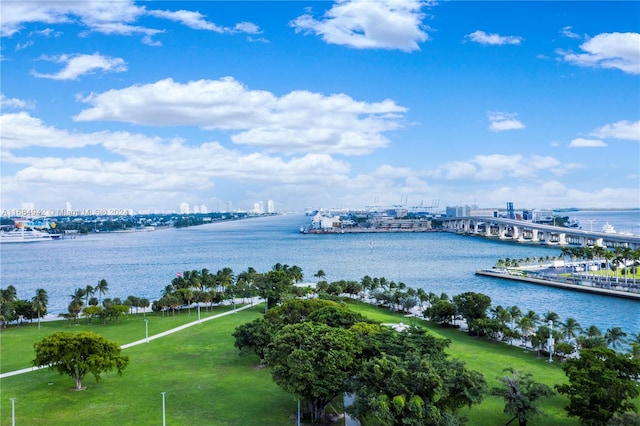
<point>206,381</point>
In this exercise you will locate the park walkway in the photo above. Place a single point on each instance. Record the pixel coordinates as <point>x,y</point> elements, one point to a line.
<point>139,342</point>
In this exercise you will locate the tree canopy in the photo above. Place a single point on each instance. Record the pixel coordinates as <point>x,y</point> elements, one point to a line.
<point>602,383</point>
<point>313,361</point>
<point>79,354</point>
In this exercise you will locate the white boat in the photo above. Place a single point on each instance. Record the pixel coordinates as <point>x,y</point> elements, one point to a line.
<point>607,228</point>
<point>22,235</point>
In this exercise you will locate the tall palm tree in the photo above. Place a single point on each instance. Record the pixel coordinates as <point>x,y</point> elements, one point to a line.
<point>89,291</point>
<point>571,328</point>
<point>40,301</point>
<point>615,336</point>
<point>101,289</point>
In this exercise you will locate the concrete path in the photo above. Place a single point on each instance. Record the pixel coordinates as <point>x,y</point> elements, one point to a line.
<point>139,342</point>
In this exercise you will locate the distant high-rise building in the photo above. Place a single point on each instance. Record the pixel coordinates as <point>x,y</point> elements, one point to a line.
<point>184,208</point>
<point>270,207</point>
<point>204,209</point>
<point>196,208</point>
<point>229,207</point>
<point>68,206</point>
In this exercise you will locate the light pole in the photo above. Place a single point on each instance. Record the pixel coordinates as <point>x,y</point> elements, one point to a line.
<point>164,418</point>
<point>550,341</point>
<point>298,411</point>
<point>146,330</point>
<point>199,312</point>
<point>13,412</point>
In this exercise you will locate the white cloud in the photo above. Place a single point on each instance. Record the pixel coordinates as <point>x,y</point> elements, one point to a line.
<point>95,15</point>
<point>21,130</point>
<point>363,24</point>
<point>609,50</point>
<point>299,121</point>
<point>493,39</point>
<point>15,103</point>
<point>194,20</point>
<point>21,46</point>
<point>79,64</point>
<point>497,167</point>
<point>501,121</point>
<point>146,163</point>
<point>568,32</point>
<point>586,143</point>
<point>619,130</point>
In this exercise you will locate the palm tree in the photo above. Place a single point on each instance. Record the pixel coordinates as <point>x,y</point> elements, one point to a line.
<point>101,289</point>
<point>571,328</point>
<point>320,274</point>
<point>89,291</point>
<point>615,336</point>
<point>40,301</point>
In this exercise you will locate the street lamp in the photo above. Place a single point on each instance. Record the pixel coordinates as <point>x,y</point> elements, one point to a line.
<point>13,412</point>
<point>164,418</point>
<point>146,330</point>
<point>550,341</point>
<point>199,312</point>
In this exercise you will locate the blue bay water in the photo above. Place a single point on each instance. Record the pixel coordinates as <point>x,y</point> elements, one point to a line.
<point>143,263</point>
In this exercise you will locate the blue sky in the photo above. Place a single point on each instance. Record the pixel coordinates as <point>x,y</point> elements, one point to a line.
<point>145,105</point>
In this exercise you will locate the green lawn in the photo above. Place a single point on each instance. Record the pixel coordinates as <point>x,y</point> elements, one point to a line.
<point>206,381</point>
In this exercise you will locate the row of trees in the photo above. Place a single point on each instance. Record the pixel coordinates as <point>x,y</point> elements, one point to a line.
<point>14,309</point>
<point>619,260</point>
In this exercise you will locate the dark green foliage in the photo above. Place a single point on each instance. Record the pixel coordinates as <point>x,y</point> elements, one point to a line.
<point>406,379</point>
<point>602,383</point>
<point>441,312</point>
<point>521,393</point>
<point>313,361</point>
<point>79,354</point>
<point>472,306</point>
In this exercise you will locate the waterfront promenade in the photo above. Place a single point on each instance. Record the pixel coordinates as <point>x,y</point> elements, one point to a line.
<point>569,283</point>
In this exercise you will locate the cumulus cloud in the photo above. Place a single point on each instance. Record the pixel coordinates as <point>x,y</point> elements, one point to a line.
<point>610,51</point>
<point>363,24</point>
<point>94,15</point>
<point>586,143</point>
<point>501,121</point>
<point>14,103</point>
<point>493,39</point>
<point>624,129</point>
<point>149,163</point>
<point>498,166</point>
<point>299,121</point>
<point>80,64</point>
<point>117,17</point>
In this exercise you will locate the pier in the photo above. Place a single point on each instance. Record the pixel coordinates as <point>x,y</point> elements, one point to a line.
<point>530,232</point>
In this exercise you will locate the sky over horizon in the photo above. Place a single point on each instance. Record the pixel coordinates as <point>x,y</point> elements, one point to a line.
<point>345,104</point>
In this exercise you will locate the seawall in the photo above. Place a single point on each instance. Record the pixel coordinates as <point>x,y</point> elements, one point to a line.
<point>558,284</point>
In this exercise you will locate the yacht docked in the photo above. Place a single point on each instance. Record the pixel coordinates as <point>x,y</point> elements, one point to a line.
<point>22,235</point>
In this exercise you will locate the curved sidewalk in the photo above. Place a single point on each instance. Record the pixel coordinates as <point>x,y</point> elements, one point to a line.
<point>139,342</point>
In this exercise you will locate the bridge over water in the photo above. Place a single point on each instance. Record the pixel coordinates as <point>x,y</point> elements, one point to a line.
<point>529,232</point>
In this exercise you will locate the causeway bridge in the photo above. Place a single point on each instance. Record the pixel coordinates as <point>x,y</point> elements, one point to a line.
<point>529,232</point>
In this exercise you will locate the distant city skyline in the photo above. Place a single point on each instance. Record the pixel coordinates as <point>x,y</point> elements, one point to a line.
<point>142,106</point>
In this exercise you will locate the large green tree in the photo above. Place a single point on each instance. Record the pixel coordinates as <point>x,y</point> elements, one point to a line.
<point>313,361</point>
<point>79,354</point>
<point>602,383</point>
<point>472,306</point>
<point>407,379</point>
<point>521,393</point>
